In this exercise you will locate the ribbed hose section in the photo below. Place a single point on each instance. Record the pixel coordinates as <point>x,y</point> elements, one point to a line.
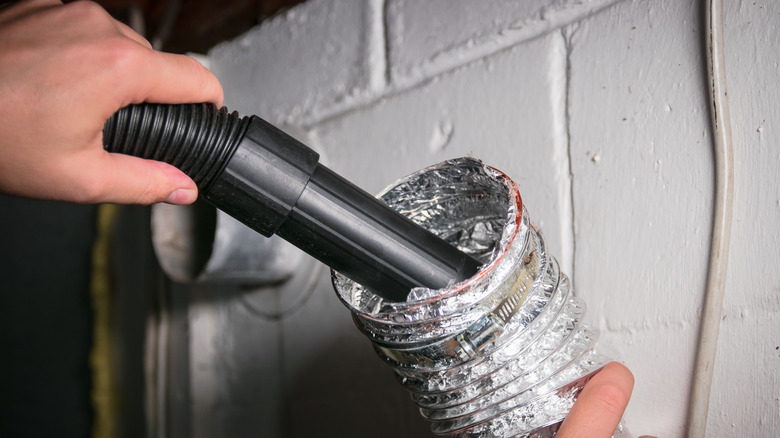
<point>199,139</point>
<point>503,354</point>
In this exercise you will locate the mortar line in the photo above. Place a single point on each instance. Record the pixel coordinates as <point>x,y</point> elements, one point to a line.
<point>394,89</point>
<point>559,65</point>
<point>386,34</point>
<point>498,42</point>
<point>567,120</point>
<point>376,47</point>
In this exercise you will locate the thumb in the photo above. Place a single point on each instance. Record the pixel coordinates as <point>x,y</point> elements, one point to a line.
<point>124,179</point>
<point>600,405</point>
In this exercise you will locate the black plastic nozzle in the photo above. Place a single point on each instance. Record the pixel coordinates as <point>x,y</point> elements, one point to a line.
<point>271,182</point>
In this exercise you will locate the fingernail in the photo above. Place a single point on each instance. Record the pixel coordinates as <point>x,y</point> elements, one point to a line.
<point>182,197</point>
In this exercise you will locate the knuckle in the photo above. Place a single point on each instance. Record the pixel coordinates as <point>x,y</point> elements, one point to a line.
<point>611,398</point>
<point>149,194</point>
<point>123,55</point>
<point>85,15</point>
<point>151,184</point>
<point>86,11</point>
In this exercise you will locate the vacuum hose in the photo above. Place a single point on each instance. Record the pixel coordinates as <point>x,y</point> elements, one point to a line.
<point>271,182</point>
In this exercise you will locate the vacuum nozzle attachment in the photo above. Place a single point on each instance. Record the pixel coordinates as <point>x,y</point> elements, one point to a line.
<point>271,182</point>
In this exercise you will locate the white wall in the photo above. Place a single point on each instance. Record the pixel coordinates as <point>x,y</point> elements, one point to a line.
<point>598,109</point>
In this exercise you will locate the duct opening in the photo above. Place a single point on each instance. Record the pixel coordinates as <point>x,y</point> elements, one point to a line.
<point>503,353</point>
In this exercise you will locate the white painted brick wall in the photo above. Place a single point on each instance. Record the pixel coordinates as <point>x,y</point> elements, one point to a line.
<point>643,208</point>
<point>298,63</point>
<point>746,394</point>
<point>598,109</point>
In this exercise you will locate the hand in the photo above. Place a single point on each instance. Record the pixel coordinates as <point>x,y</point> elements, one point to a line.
<point>600,405</point>
<point>65,70</point>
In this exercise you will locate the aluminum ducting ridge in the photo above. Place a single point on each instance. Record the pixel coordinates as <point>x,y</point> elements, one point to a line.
<point>502,353</point>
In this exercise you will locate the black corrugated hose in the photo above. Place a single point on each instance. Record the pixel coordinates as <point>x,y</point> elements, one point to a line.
<point>274,184</point>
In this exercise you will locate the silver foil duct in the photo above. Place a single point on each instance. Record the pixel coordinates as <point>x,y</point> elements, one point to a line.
<point>501,354</point>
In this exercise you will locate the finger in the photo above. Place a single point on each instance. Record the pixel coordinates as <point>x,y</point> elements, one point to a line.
<point>600,405</point>
<point>129,180</point>
<point>170,78</point>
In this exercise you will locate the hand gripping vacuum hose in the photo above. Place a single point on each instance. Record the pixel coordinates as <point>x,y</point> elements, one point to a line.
<point>274,184</point>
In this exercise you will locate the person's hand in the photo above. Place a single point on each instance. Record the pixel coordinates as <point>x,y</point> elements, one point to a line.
<point>600,405</point>
<point>65,70</point>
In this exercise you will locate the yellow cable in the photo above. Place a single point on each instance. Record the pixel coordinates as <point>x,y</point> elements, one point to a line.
<point>104,397</point>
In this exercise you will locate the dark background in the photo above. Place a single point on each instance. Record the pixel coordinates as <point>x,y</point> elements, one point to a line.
<point>195,25</point>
